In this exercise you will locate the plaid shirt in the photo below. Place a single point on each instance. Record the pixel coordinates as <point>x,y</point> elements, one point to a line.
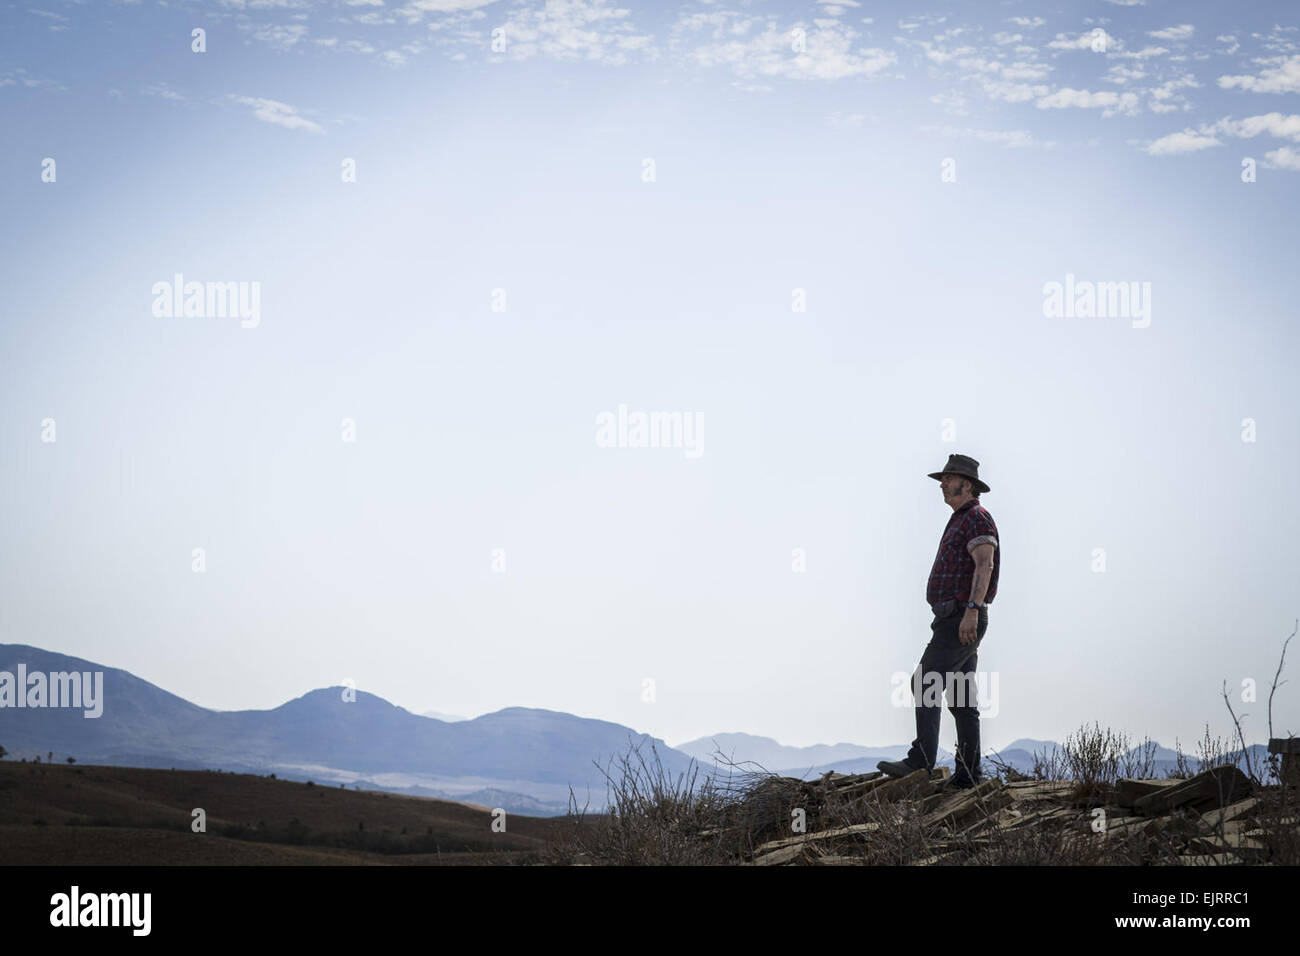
<point>971,524</point>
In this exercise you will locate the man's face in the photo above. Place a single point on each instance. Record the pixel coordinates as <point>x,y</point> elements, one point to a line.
<point>951,486</point>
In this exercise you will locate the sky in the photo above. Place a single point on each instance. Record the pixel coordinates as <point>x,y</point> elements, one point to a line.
<point>825,236</point>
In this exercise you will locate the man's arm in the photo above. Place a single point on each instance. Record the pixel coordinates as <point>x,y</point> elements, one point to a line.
<point>979,585</point>
<point>981,549</point>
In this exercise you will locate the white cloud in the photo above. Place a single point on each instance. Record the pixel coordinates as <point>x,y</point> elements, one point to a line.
<point>1013,92</point>
<point>848,120</point>
<point>1085,41</point>
<point>1119,73</point>
<point>1280,125</point>
<point>1188,141</point>
<point>1283,158</point>
<point>828,51</point>
<point>20,77</point>
<point>1010,138</point>
<point>163,91</point>
<point>1176,34</point>
<point>277,113</point>
<point>281,36</point>
<point>1233,45</point>
<point>1274,124</point>
<point>836,7</point>
<point>1284,78</point>
<point>1128,3</point>
<point>951,101</point>
<point>1108,101</point>
<point>1165,97</point>
<point>1029,22</point>
<point>1145,53</point>
<point>59,20</point>
<point>576,30</point>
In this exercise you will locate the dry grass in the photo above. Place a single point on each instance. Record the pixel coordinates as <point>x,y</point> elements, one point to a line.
<point>1020,820</point>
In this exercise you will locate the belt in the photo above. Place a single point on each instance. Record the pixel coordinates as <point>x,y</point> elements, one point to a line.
<point>948,607</point>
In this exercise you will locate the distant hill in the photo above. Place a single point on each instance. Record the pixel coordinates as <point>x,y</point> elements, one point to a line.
<point>741,748</point>
<point>438,715</point>
<point>536,755</point>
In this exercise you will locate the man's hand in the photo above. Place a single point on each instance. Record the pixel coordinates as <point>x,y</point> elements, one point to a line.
<point>968,632</point>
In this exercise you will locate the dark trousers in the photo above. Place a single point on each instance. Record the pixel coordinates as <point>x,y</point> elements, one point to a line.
<point>947,668</point>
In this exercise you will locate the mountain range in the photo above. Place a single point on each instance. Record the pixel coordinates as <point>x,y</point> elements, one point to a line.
<point>526,760</point>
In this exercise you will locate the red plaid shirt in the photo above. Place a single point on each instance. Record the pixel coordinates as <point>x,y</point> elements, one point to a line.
<point>971,524</point>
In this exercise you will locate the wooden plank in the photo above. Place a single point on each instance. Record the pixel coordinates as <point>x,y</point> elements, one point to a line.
<point>858,788</point>
<point>1237,844</point>
<point>1231,812</point>
<point>1127,826</point>
<point>913,785</point>
<point>1209,859</point>
<point>1042,790</point>
<point>961,803</point>
<point>1129,791</point>
<point>780,857</point>
<point>1221,784</point>
<point>855,829</point>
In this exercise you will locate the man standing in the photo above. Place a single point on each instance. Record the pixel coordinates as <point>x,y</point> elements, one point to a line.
<point>963,583</point>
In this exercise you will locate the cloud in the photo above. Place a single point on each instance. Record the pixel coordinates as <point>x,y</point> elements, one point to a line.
<point>1283,158</point>
<point>1145,53</point>
<point>1108,101</point>
<point>1014,92</point>
<point>281,36</point>
<point>163,91</point>
<point>20,77</point>
<point>849,120</point>
<point>1233,45</point>
<point>836,7</point>
<point>1165,98</point>
<point>1085,41</point>
<point>1029,22</point>
<point>736,42</point>
<point>1128,3</point>
<point>1284,78</point>
<point>1176,34</point>
<point>1188,141</point>
<point>576,30</point>
<point>277,113</point>
<point>1279,125</point>
<point>1119,73</point>
<point>59,20</point>
<point>1009,138</point>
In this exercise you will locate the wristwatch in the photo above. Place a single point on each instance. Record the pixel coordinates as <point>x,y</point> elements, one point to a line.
<point>978,607</point>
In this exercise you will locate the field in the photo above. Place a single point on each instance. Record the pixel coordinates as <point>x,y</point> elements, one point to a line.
<point>77,815</point>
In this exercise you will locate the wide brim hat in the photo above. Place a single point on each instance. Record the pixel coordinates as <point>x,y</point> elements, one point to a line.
<point>962,465</point>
